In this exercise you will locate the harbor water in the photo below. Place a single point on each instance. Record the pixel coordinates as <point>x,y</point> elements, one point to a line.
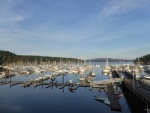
<point>16,99</point>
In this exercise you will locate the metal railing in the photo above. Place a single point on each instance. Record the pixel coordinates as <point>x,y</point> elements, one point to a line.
<point>144,95</point>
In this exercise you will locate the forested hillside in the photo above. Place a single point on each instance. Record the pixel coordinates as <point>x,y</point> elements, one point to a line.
<point>143,60</point>
<point>7,57</point>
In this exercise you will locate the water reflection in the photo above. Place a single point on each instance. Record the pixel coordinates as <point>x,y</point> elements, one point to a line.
<point>53,99</point>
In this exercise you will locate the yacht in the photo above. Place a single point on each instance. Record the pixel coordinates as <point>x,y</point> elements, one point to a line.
<point>146,77</point>
<point>2,74</point>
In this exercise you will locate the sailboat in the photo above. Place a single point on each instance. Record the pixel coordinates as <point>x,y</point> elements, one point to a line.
<point>106,68</point>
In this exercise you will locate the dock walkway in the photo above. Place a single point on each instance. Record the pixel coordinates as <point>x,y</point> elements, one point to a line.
<point>114,104</point>
<point>106,81</point>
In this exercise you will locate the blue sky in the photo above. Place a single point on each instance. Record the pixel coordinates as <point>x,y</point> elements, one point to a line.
<point>76,28</point>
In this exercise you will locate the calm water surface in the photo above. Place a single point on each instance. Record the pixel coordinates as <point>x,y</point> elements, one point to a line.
<point>16,99</point>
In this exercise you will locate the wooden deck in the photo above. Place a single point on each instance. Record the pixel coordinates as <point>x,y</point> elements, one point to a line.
<point>47,84</point>
<point>106,81</point>
<point>114,104</point>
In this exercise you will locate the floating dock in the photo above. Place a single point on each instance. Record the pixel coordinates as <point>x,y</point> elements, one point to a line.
<point>15,83</point>
<point>114,104</point>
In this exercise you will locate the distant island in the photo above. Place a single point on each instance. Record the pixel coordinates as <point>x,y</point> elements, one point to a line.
<point>7,57</point>
<point>109,59</point>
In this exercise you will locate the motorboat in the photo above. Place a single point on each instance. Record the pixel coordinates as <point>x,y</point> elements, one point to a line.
<point>99,98</point>
<point>92,74</point>
<point>105,73</point>
<point>106,69</point>
<point>89,78</point>
<point>104,99</point>
<point>25,72</point>
<point>70,81</point>
<point>146,77</point>
<point>2,74</point>
<point>110,74</point>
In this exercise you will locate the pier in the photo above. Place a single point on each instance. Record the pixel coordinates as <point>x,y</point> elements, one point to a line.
<point>140,92</point>
<point>98,84</point>
<point>105,82</point>
<point>137,93</point>
<point>114,104</point>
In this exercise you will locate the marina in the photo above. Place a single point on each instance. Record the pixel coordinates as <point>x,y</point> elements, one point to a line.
<point>79,78</point>
<point>74,56</point>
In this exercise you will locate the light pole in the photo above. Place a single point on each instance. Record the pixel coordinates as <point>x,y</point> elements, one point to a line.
<point>133,78</point>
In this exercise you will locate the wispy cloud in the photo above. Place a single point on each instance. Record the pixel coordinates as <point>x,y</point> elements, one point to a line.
<point>31,27</point>
<point>7,13</point>
<point>119,6</point>
<point>11,19</point>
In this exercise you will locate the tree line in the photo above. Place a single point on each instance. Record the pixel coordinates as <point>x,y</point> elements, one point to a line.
<point>7,57</point>
<point>143,60</point>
